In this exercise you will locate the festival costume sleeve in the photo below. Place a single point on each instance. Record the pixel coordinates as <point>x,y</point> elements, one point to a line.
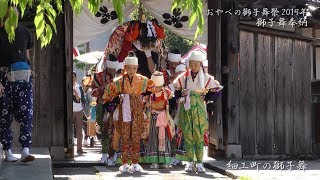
<point>150,87</point>
<point>178,94</point>
<point>178,83</point>
<point>111,92</point>
<point>214,89</point>
<point>165,76</point>
<point>169,93</point>
<point>211,96</point>
<point>212,83</point>
<point>97,88</point>
<point>98,92</point>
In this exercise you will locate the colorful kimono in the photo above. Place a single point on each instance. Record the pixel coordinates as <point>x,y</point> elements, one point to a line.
<point>180,147</point>
<point>129,125</point>
<point>158,147</point>
<point>168,75</point>
<point>100,81</point>
<point>193,121</point>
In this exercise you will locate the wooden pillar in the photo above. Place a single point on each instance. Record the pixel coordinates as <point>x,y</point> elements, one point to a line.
<point>233,148</point>
<point>68,14</point>
<point>214,63</point>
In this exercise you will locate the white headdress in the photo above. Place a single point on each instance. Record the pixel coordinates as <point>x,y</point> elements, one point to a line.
<point>200,57</point>
<point>180,67</point>
<point>112,62</point>
<point>196,56</point>
<point>174,57</point>
<point>131,60</point>
<point>157,78</point>
<point>205,63</point>
<point>119,65</point>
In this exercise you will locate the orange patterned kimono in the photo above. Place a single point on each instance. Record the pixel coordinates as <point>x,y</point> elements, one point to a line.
<point>130,131</point>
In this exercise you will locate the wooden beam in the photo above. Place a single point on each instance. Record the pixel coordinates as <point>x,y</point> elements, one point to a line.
<point>68,80</point>
<point>274,32</point>
<point>214,57</point>
<point>247,93</point>
<point>232,40</point>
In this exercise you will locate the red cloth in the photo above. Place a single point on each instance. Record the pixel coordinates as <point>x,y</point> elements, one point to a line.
<point>125,48</point>
<point>99,82</point>
<point>206,138</point>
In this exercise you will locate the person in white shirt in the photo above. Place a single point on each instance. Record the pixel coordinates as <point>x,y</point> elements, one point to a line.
<point>77,113</point>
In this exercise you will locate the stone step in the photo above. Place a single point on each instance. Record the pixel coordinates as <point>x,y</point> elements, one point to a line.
<point>39,169</point>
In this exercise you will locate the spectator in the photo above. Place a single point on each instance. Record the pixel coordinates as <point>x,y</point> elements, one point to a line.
<point>77,113</point>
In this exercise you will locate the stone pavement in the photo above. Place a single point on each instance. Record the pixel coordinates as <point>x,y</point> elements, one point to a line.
<point>166,174</point>
<point>107,173</point>
<point>40,169</point>
<point>267,169</point>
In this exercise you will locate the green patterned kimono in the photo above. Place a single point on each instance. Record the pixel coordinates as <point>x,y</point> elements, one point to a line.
<point>104,134</point>
<point>193,123</point>
<point>100,80</point>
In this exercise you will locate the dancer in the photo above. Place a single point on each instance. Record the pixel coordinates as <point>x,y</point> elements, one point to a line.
<point>100,81</point>
<point>127,90</point>
<point>193,85</point>
<point>158,148</point>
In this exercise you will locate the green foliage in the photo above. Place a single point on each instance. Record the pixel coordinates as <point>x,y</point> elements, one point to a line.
<point>45,22</point>
<point>93,5</point>
<point>79,65</point>
<point>3,9</point>
<point>76,5</point>
<point>135,14</point>
<point>47,11</point>
<point>59,4</point>
<point>173,41</point>
<point>11,24</point>
<point>245,178</point>
<point>196,7</point>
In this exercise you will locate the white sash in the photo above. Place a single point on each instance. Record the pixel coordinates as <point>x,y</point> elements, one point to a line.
<point>126,108</point>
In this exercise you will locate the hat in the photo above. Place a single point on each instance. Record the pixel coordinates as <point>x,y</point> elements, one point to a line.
<point>174,56</point>
<point>157,78</point>
<point>205,63</point>
<point>180,67</point>
<point>112,62</point>
<point>131,59</point>
<point>196,56</point>
<point>199,57</point>
<point>119,65</point>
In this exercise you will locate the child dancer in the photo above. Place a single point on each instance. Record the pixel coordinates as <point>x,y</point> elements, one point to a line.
<point>178,151</point>
<point>128,89</point>
<point>158,148</point>
<point>100,81</point>
<point>174,60</point>
<point>193,86</point>
<point>115,141</point>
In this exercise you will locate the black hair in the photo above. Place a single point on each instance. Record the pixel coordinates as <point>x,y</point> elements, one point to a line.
<point>175,51</point>
<point>112,57</point>
<point>119,71</point>
<point>75,74</point>
<point>145,41</point>
<point>131,54</point>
